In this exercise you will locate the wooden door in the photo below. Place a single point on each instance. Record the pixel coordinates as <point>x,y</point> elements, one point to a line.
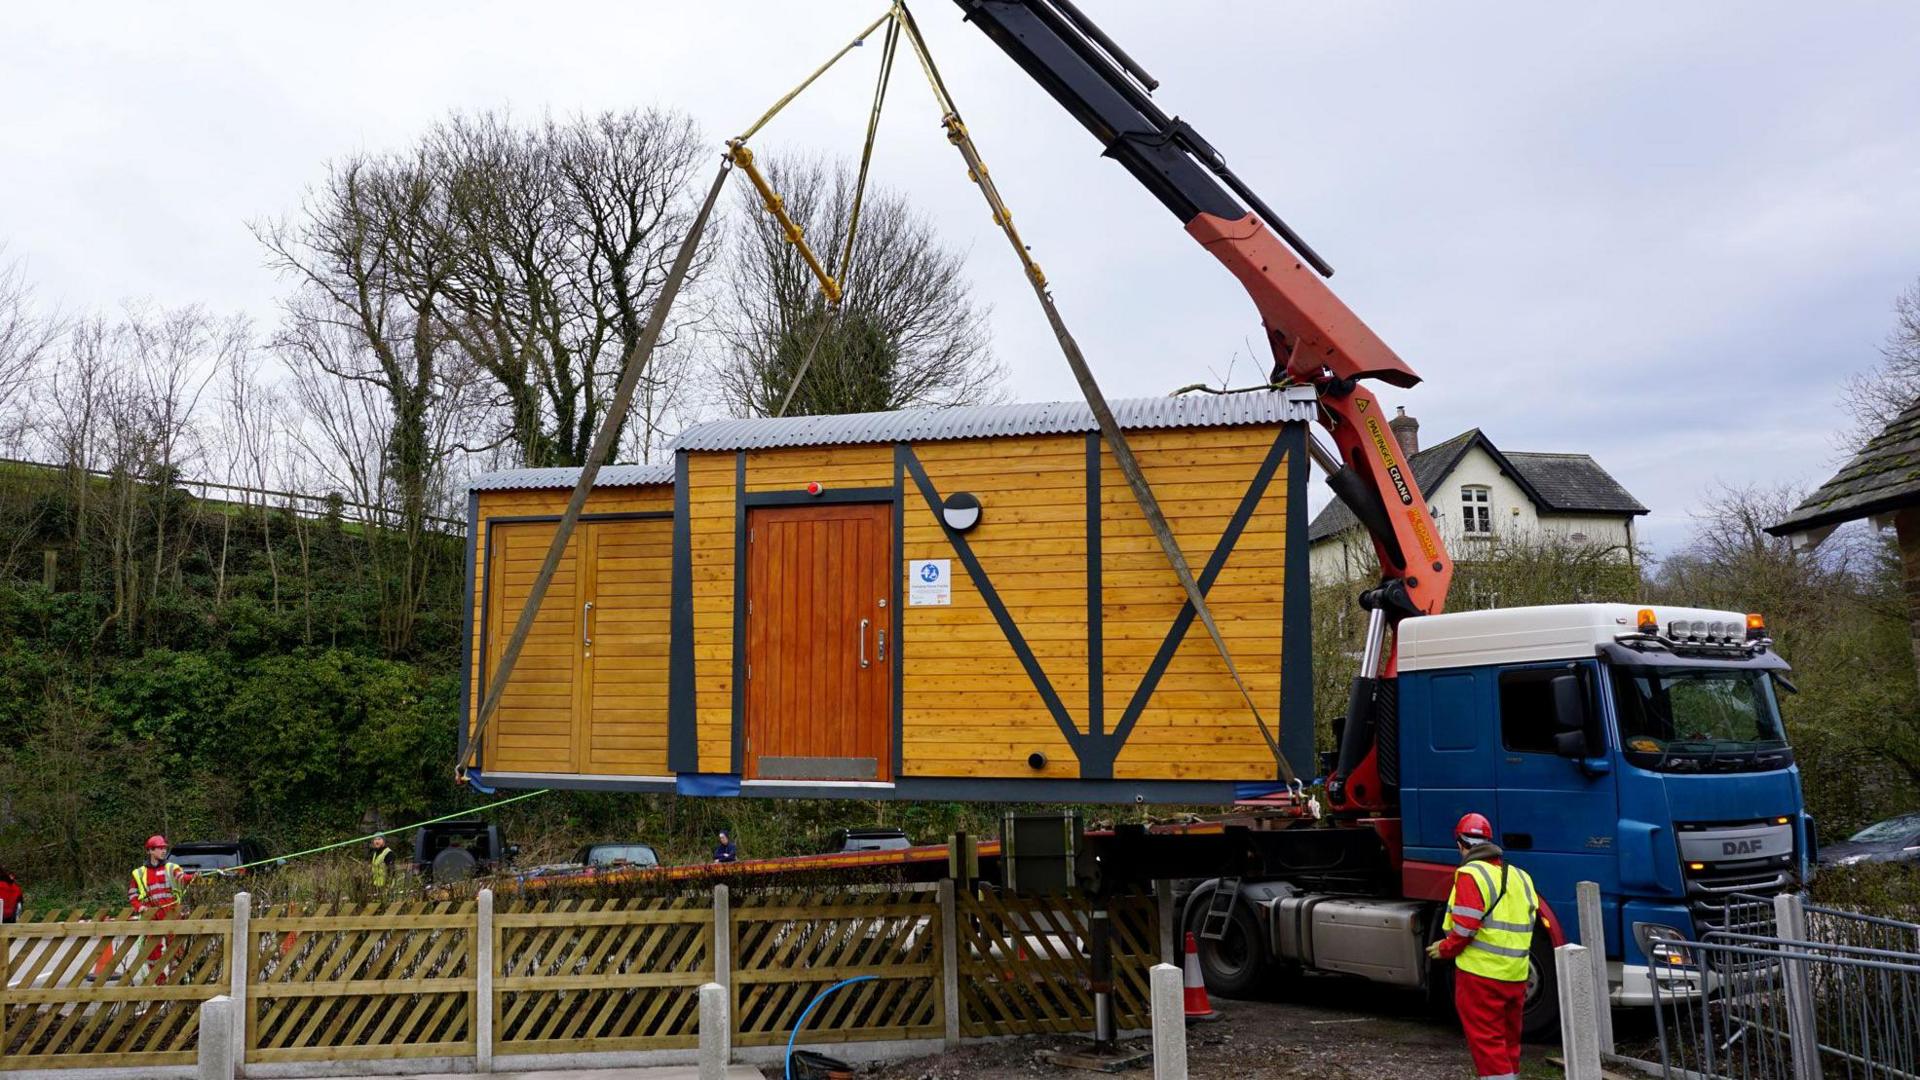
<point>629,568</point>
<point>819,649</point>
<point>534,728</point>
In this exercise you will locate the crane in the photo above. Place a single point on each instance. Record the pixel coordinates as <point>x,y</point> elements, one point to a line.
<point>1316,339</point>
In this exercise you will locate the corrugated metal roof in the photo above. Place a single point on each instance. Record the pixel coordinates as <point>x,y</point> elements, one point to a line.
<point>567,476</point>
<point>990,421</point>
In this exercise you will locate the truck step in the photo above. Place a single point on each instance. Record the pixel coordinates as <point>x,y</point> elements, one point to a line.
<point>1219,916</point>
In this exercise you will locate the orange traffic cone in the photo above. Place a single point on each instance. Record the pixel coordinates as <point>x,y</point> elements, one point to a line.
<point>1198,1007</point>
<point>105,960</point>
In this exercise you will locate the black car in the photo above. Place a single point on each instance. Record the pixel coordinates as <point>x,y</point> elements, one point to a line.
<point>868,839</point>
<point>452,850</point>
<point>226,858</point>
<point>1896,839</point>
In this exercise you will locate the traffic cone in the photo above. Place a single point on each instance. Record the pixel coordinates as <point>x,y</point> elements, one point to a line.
<point>1198,1007</point>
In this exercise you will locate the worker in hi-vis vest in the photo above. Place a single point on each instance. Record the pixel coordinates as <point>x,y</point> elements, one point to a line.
<point>382,857</point>
<point>1489,925</point>
<point>154,893</point>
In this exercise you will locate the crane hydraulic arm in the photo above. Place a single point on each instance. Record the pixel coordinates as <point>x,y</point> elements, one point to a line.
<point>1316,339</point>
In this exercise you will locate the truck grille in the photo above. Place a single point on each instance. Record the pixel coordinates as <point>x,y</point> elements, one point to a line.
<point>1735,895</point>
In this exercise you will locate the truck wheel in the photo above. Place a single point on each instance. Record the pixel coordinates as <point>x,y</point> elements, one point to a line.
<point>1234,965</point>
<point>1541,1019</point>
<point>452,864</point>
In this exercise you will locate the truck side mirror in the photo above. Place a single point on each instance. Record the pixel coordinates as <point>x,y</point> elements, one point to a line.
<point>1570,716</point>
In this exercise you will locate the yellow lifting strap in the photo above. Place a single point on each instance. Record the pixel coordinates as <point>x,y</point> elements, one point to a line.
<point>777,206</point>
<point>1089,388</point>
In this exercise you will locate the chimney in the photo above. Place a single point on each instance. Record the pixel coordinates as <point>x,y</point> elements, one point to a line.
<point>1406,431</point>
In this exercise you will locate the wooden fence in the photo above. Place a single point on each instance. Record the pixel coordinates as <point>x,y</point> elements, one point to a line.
<point>542,976</point>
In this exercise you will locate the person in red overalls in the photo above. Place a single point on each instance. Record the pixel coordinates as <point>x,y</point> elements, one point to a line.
<point>154,892</point>
<point>10,896</point>
<point>1489,924</point>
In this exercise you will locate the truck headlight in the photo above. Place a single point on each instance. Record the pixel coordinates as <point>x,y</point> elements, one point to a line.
<point>1661,944</point>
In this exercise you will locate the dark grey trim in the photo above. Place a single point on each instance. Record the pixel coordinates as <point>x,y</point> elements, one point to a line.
<point>1215,563</point>
<point>467,649</point>
<point>898,621</point>
<point>683,733</point>
<point>1102,767</point>
<point>578,782</point>
<point>1001,615</point>
<point>1296,615</point>
<point>932,788</point>
<point>828,496</point>
<point>737,750</point>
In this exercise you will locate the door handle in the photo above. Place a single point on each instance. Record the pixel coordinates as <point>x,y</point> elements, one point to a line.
<point>586,628</point>
<point>882,635</point>
<point>864,623</point>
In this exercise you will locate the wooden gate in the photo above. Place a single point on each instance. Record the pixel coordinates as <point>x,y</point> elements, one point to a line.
<point>586,975</point>
<point>362,981</point>
<point>788,947</point>
<point>106,990</point>
<point>819,688</point>
<point>1023,966</point>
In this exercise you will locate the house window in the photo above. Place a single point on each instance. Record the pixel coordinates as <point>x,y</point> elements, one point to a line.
<point>1476,511</point>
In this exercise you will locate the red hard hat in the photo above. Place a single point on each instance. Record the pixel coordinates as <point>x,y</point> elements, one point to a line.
<point>1473,827</point>
<point>156,840</point>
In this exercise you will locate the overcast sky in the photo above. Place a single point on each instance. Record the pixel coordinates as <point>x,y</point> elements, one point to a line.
<point>1662,234</point>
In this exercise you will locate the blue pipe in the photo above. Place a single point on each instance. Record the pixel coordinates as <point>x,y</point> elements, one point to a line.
<point>808,1011</point>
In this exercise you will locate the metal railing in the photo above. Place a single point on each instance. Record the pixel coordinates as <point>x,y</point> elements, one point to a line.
<point>1817,993</point>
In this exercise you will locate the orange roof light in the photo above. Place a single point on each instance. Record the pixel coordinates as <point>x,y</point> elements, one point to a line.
<point>1648,624</point>
<point>1756,626</point>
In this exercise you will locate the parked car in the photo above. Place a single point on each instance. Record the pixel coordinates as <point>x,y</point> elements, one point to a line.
<point>455,850</point>
<point>223,858</point>
<point>1896,839</point>
<point>623,855</point>
<point>866,839</point>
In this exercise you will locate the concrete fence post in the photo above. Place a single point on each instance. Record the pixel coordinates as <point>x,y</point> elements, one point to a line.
<point>483,999</point>
<point>239,970</point>
<point>1163,904</point>
<point>950,962</point>
<point>1579,1026</point>
<point>716,1031</point>
<point>1169,1023</point>
<point>1593,935</point>
<point>723,938</point>
<point>216,1038</point>
<point>1803,1035</point>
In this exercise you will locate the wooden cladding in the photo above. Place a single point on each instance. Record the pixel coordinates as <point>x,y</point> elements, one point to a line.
<point>717,627</point>
<point>589,693</point>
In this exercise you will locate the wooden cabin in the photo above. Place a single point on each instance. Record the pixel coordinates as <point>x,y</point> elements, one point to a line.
<point>926,604</point>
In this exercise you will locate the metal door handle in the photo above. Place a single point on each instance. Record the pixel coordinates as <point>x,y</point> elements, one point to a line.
<point>864,623</point>
<point>882,635</point>
<point>586,629</point>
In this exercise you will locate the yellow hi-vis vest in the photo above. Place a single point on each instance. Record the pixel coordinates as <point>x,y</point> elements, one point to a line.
<point>1500,946</point>
<point>380,865</point>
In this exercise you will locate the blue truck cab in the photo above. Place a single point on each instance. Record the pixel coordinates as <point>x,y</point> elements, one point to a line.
<point>1638,747</point>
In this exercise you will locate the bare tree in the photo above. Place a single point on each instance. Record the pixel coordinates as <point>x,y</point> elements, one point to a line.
<point>374,257</point>
<point>565,233</point>
<point>25,339</point>
<point>1873,398</point>
<point>907,331</point>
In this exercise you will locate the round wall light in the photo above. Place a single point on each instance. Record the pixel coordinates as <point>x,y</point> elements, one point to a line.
<point>961,511</point>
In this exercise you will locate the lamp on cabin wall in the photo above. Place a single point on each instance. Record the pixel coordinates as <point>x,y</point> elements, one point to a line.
<point>961,511</point>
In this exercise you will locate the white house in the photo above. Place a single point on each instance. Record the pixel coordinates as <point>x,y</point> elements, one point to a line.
<point>1478,494</point>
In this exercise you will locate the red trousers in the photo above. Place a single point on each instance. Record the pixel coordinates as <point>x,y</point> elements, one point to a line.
<point>1490,1011</point>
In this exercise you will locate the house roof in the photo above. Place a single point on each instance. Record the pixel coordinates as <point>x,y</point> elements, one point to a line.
<point>1295,404</point>
<point>1560,483</point>
<point>1883,476</point>
<point>990,421</point>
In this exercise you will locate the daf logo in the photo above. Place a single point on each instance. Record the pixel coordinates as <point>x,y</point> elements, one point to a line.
<point>1740,847</point>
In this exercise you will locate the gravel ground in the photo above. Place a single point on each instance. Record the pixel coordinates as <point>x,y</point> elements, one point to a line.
<point>1326,1029</point>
